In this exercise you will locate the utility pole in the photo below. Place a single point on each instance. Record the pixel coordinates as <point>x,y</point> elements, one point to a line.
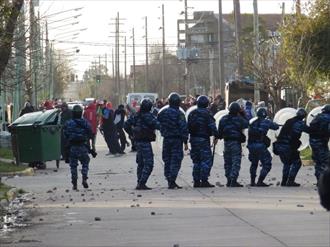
<point>20,63</point>
<point>238,28</point>
<point>211,61</point>
<point>186,76</point>
<point>283,12</point>
<point>106,63</point>
<point>113,64</point>
<point>221,52</point>
<point>147,55</point>
<point>134,77</point>
<point>163,58</point>
<point>256,47</point>
<point>118,93</point>
<point>31,90</point>
<point>125,66</point>
<point>47,68</point>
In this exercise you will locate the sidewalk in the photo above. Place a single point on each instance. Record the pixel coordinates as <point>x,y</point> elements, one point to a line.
<point>256,217</point>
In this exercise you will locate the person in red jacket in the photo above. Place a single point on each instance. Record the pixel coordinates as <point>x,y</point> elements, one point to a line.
<point>90,115</point>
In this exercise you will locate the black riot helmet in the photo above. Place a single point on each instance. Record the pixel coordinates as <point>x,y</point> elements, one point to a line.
<point>174,100</point>
<point>301,113</point>
<point>146,105</point>
<point>203,101</point>
<point>234,108</point>
<point>261,112</point>
<point>77,111</point>
<point>326,108</point>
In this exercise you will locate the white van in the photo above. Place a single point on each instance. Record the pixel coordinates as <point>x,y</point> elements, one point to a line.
<point>134,99</point>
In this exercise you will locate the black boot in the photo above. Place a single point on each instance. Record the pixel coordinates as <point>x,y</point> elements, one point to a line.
<point>74,184</point>
<point>261,183</point>
<point>206,184</point>
<point>142,186</point>
<point>292,183</point>
<point>284,180</point>
<point>197,184</point>
<point>253,181</point>
<point>234,183</point>
<point>84,183</point>
<point>228,182</point>
<point>171,185</point>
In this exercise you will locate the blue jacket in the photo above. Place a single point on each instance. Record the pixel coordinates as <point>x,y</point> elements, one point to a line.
<point>320,127</point>
<point>291,132</point>
<point>173,124</point>
<point>77,131</point>
<point>141,126</point>
<point>259,128</point>
<point>231,127</point>
<point>201,124</point>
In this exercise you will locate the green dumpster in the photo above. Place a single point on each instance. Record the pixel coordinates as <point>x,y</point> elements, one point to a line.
<point>36,137</point>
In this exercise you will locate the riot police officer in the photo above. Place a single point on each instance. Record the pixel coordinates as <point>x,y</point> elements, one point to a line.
<point>201,126</point>
<point>78,132</point>
<point>258,144</point>
<point>142,126</point>
<point>231,128</point>
<point>173,128</point>
<point>287,145</point>
<point>319,138</point>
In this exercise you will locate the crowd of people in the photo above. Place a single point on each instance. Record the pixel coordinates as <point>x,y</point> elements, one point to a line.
<point>140,123</point>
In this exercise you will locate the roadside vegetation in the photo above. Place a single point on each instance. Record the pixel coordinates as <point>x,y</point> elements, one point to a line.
<point>6,153</point>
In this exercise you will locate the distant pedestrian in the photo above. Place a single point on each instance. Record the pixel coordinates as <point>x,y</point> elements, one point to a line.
<point>109,130</point>
<point>120,115</point>
<point>26,109</point>
<point>142,126</point>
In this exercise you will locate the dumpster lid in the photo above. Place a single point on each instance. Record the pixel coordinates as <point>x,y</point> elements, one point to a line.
<point>37,118</point>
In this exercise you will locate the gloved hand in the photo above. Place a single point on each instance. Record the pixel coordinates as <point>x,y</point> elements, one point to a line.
<point>93,153</point>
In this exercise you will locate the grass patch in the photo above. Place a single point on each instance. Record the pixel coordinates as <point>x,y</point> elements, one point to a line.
<point>3,191</point>
<point>11,168</point>
<point>6,153</point>
<point>306,154</point>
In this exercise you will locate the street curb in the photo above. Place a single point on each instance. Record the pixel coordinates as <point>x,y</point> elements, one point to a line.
<point>27,172</point>
<point>7,161</point>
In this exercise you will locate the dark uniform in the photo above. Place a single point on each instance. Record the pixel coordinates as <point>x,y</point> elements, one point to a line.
<point>258,144</point>
<point>142,126</point>
<point>173,128</point>
<point>231,129</point>
<point>287,145</point>
<point>319,138</point>
<point>78,133</point>
<point>201,126</point>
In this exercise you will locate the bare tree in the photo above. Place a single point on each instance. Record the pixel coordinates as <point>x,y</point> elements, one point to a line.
<point>270,72</point>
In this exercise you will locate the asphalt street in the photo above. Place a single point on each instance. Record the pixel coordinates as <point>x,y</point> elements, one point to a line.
<point>112,213</point>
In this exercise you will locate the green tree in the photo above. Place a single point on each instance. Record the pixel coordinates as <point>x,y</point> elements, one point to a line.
<point>9,13</point>
<point>306,40</point>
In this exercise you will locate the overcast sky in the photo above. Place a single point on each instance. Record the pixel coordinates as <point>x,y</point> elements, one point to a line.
<point>97,16</point>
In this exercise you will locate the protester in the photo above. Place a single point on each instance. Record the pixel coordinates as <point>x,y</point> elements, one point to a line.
<point>90,115</point>
<point>120,115</point>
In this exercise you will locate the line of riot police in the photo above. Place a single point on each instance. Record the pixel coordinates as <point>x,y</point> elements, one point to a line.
<point>200,126</point>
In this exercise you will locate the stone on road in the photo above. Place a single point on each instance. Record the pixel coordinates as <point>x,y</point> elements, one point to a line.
<point>112,213</point>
